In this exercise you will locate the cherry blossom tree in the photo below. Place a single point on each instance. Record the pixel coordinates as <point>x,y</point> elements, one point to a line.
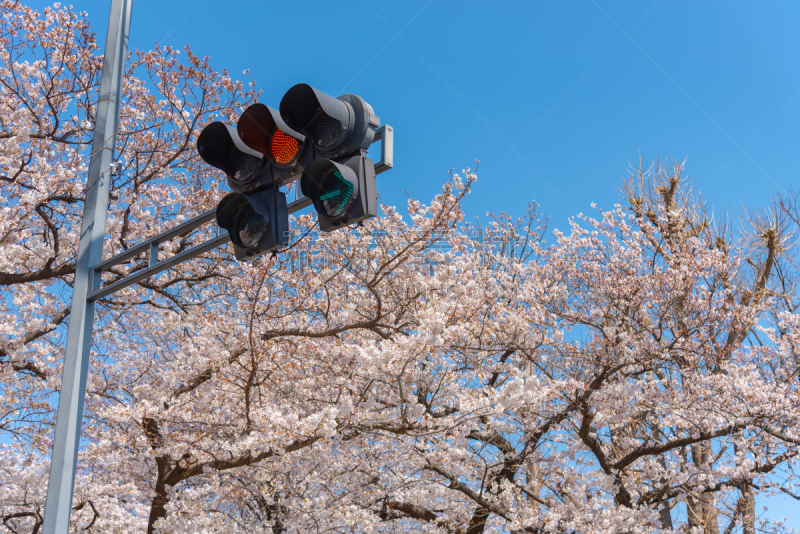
<point>417,373</point>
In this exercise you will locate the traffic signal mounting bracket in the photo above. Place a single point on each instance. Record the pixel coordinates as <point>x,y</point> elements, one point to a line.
<point>385,134</point>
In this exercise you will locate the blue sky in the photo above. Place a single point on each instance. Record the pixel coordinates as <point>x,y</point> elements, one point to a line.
<point>554,98</point>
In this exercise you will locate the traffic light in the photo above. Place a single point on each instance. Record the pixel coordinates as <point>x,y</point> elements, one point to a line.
<point>257,223</point>
<point>255,213</point>
<point>342,193</point>
<point>338,177</point>
<point>262,129</point>
<point>317,139</point>
<point>220,146</point>
<point>337,127</point>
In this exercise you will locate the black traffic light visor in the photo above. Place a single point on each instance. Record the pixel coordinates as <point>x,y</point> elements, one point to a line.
<point>214,145</point>
<point>257,128</point>
<point>302,105</point>
<point>331,187</point>
<point>219,145</point>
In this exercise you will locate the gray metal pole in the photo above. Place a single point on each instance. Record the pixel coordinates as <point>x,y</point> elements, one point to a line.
<point>81,319</point>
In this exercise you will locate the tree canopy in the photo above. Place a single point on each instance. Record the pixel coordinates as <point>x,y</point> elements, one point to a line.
<point>418,373</point>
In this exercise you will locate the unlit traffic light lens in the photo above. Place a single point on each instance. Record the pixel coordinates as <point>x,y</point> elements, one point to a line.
<point>325,130</point>
<point>243,223</point>
<point>242,166</point>
<point>249,229</point>
<point>220,146</point>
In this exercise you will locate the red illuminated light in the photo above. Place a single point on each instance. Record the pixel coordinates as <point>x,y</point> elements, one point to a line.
<point>283,148</point>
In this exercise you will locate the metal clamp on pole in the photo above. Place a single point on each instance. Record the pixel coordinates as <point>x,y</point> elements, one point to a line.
<point>117,168</point>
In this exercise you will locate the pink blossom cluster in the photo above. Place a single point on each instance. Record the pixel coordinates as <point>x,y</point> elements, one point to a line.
<point>637,373</point>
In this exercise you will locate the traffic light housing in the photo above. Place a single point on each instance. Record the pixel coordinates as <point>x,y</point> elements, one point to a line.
<point>339,179</point>
<point>257,223</point>
<point>220,146</point>
<point>255,214</point>
<point>336,127</point>
<point>262,129</point>
<point>342,193</point>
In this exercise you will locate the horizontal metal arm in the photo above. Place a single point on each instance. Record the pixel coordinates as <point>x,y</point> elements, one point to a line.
<point>154,265</point>
<point>157,267</point>
<point>172,233</point>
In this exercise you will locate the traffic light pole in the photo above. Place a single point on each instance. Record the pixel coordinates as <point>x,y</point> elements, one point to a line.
<point>81,320</point>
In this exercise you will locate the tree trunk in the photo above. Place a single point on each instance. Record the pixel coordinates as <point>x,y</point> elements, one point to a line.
<point>703,508</point>
<point>748,508</point>
<point>747,504</point>
<point>478,522</point>
<point>158,508</point>
<point>663,509</point>
<point>665,516</point>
